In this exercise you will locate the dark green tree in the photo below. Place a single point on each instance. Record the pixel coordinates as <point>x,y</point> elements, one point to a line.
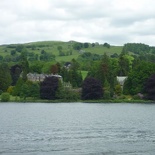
<point>1,58</point>
<point>86,45</point>
<point>5,77</point>
<point>24,64</point>
<point>17,88</point>
<point>137,78</point>
<point>24,91</point>
<point>13,52</point>
<point>59,48</point>
<point>77,46</point>
<point>75,78</point>
<point>106,45</point>
<point>93,44</point>
<point>35,90</point>
<point>19,48</point>
<point>65,74</point>
<point>101,70</point>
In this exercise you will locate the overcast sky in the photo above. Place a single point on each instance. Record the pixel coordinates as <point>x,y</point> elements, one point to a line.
<point>113,21</point>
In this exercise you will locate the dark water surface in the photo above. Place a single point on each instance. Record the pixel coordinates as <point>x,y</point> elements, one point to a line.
<point>77,128</point>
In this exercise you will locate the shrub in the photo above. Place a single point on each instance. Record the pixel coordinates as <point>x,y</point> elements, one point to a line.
<point>10,89</point>
<point>106,95</point>
<point>5,97</point>
<point>118,90</point>
<point>136,97</point>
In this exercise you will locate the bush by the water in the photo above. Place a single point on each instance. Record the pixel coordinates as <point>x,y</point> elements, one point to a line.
<point>106,95</point>
<point>5,97</point>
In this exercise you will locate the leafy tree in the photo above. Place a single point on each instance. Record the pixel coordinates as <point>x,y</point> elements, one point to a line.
<point>46,56</point>
<point>75,78</point>
<point>26,89</point>
<point>48,88</point>
<point>59,48</point>
<point>29,89</point>
<point>93,44</point>
<point>43,52</point>
<point>91,89</point>
<point>36,67</point>
<point>73,75</point>
<point>74,64</point>
<point>105,70</point>
<point>17,88</point>
<point>61,53</point>
<point>65,74</point>
<point>67,93</point>
<point>13,52</point>
<point>24,92</point>
<point>35,90</point>
<point>124,65</point>
<point>101,70</point>
<point>149,88</point>
<point>88,56</point>
<point>106,45</point>
<point>19,48</point>
<point>7,58</point>
<point>137,48</point>
<point>86,45</point>
<point>77,46</point>
<point>60,92</point>
<point>1,58</point>
<point>137,78</point>
<point>54,69</point>
<point>5,77</point>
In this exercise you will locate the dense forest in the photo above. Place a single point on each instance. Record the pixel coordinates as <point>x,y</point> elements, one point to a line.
<point>72,71</point>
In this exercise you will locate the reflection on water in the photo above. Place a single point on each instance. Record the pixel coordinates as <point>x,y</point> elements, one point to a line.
<point>77,128</point>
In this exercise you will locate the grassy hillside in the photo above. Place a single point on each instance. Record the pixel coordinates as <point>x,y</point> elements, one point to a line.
<point>67,49</point>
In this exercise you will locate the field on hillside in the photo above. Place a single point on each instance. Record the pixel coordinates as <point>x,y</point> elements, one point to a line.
<point>67,50</point>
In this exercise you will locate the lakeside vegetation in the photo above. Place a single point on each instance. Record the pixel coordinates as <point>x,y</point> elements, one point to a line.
<point>88,72</point>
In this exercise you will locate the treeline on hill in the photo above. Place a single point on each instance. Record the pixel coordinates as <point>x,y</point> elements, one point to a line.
<point>46,51</point>
<point>136,62</point>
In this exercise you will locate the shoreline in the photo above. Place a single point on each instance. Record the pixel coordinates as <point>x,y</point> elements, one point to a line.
<point>81,101</point>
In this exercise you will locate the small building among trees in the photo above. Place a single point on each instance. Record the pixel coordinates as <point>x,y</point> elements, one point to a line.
<point>40,77</point>
<point>121,80</point>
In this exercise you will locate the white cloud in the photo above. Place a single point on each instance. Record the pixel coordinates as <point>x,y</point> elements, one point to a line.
<point>116,21</point>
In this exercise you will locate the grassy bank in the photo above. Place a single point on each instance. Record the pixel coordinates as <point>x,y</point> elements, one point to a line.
<point>33,100</point>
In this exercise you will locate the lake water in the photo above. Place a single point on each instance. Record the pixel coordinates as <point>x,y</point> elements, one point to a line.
<point>77,129</point>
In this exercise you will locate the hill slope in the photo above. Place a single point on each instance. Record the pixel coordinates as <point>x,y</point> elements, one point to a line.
<point>63,51</point>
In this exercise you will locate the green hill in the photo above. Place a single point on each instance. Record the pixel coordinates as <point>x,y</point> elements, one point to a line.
<point>63,51</point>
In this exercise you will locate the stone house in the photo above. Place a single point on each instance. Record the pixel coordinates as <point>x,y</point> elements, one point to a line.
<point>35,77</point>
